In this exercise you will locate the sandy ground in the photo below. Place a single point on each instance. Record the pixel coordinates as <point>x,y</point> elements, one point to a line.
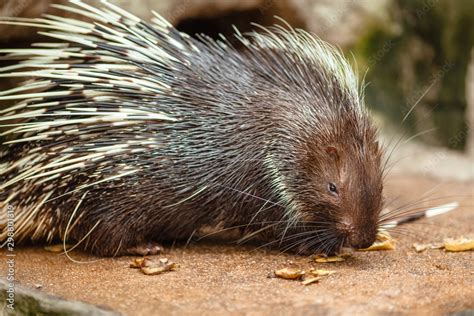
<point>227,279</point>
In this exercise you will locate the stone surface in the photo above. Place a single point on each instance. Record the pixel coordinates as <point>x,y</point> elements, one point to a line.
<point>470,105</point>
<point>34,302</point>
<point>417,68</point>
<point>343,22</point>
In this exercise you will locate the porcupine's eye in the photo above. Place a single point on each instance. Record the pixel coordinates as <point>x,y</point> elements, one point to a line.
<point>332,188</point>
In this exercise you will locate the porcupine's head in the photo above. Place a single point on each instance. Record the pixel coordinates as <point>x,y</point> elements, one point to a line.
<point>325,159</point>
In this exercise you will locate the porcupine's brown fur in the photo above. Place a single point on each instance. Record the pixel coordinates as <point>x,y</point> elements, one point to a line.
<point>131,133</point>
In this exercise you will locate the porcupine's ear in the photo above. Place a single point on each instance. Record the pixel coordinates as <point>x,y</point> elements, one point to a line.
<point>332,151</point>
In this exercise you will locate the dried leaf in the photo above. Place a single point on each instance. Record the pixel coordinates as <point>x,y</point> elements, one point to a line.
<point>380,245</point>
<point>460,244</point>
<point>140,263</point>
<point>383,242</point>
<point>321,272</point>
<point>153,267</point>
<point>159,268</point>
<point>422,247</point>
<point>289,273</point>
<point>310,280</point>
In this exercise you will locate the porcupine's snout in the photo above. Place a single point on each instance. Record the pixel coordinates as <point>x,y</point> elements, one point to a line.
<point>360,240</point>
<point>356,237</point>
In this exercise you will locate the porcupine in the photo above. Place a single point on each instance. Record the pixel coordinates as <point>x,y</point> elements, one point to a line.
<point>131,133</point>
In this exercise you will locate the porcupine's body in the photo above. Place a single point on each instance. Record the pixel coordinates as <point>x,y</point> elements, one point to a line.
<point>133,133</point>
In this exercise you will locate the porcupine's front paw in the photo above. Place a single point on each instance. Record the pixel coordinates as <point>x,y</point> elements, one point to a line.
<point>145,249</point>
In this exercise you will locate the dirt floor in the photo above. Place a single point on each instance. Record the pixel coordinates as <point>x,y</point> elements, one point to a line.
<point>226,279</point>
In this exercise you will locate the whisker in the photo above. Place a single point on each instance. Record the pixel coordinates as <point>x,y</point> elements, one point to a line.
<point>258,212</point>
<point>326,244</point>
<point>421,198</point>
<point>287,238</point>
<point>420,134</point>
<point>189,239</point>
<point>418,101</point>
<point>389,156</point>
<point>407,232</point>
<point>248,237</point>
<point>319,239</point>
<point>235,227</point>
<point>252,195</point>
<point>411,204</point>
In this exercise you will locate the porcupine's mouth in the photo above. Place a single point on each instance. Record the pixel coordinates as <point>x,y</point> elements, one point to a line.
<point>332,244</point>
<point>314,236</point>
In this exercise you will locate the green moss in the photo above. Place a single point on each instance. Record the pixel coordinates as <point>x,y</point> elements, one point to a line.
<point>427,60</point>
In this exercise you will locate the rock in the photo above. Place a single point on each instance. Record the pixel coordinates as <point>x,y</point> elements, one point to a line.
<point>422,62</point>
<point>34,302</point>
<point>470,105</point>
<point>342,22</point>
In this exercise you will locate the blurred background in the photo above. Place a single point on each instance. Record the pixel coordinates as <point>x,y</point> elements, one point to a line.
<point>416,57</point>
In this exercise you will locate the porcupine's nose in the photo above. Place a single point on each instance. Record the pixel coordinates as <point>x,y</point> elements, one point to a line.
<point>357,237</point>
<point>361,240</point>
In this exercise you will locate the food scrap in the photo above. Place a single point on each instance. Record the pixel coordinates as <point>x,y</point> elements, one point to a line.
<point>422,247</point>
<point>289,273</point>
<point>153,267</point>
<point>459,244</point>
<point>449,244</point>
<point>313,276</point>
<point>317,272</point>
<point>140,263</point>
<point>383,242</point>
<point>310,280</point>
